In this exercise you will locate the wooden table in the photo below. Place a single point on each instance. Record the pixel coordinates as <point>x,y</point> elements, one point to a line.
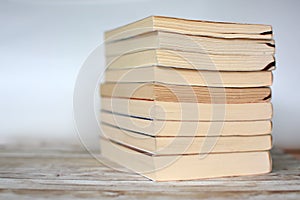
<point>66,171</point>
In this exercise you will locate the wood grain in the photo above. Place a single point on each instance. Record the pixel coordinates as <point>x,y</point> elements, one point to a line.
<point>68,172</point>
<point>293,152</point>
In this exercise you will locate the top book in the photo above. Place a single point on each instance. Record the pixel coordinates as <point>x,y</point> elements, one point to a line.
<point>191,27</point>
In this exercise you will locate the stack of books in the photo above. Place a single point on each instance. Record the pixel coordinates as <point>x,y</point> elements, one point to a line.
<point>188,99</point>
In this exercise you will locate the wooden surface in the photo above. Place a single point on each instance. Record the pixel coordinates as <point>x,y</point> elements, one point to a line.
<point>293,152</point>
<point>68,172</point>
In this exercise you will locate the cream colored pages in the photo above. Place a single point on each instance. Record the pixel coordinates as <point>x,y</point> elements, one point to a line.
<point>189,77</point>
<point>187,167</point>
<point>187,128</point>
<point>187,145</point>
<point>188,43</point>
<point>188,111</point>
<point>189,60</point>
<point>179,93</point>
<point>192,27</point>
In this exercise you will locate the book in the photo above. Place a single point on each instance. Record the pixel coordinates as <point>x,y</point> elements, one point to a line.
<point>190,60</point>
<point>179,93</point>
<point>188,99</point>
<point>187,111</point>
<point>177,76</point>
<point>165,128</point>
<point>189,43</point>
<point>188,166</point>
<point>190,27</point>
<point>186,145</point>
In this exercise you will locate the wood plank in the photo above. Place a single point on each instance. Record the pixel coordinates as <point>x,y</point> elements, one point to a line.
<point>58,194</point>
<point>68,172</point>
<point>293,152</point>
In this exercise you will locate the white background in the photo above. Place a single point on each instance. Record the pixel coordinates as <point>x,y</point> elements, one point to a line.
<point>44,43</point>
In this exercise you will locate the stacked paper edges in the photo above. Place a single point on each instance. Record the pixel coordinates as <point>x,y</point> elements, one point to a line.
<point>188,99</point>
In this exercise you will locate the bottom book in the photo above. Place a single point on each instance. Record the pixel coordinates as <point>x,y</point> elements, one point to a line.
<point>188,166</point>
